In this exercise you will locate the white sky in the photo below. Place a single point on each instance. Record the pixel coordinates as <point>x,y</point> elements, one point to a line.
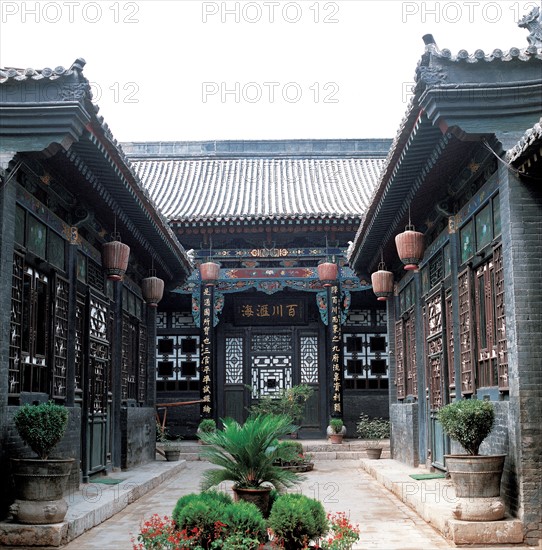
<point>162,70</point>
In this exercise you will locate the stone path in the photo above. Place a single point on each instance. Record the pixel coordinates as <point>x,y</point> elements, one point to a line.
<point>386,523</point>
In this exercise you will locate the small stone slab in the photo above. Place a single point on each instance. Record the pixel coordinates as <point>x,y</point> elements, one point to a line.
<point>16,534</point>
<point>506,531</point>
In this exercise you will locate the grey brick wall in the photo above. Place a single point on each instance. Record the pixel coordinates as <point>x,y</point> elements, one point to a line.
<point>373,403</point>
<point>138,436</point>
<point>521,212</point>
<point>405,433</point>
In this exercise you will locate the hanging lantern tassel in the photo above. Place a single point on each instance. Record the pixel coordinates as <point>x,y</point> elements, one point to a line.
<point>209,272</point>
<point>328,273</point>
<point>115,257</point>
<point>153,290</point>
<point>382,282</point>
<point>410,247</point>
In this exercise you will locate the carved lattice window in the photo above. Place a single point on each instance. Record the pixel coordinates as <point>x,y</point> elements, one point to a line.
<point>271,342</point>
<point>15,374</point>
<point>400,360</point>
<point>271,374</point>
<point>309,359</point>
<point>99,356</point>
<point>450,343</point>
<point>365,360</point>
<point>234,360</point>
<point>500,320</point>
<point>142,365</point>
<point>80,313</point>
<point>60,337</point>
<point>435,352</point>
<point>410,355</point>
<point>465,333</point>
<point>177,362</point>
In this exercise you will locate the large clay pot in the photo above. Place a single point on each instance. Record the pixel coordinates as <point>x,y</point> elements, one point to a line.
<point>476,476</point>
<point>39,486</point>
<point>477,483</point>
<point>258,496</point>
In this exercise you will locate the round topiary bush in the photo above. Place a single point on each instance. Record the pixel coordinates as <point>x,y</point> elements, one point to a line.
<point>468,421</point>
<point>296,520</point>
<point>220,521</point>
<point>42,426</point>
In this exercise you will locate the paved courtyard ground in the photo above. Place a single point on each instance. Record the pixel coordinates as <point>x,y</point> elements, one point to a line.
<point>341,485</point>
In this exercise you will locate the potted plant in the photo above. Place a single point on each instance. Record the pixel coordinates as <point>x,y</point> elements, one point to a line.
<point>247,456</point>
<point>293,457</point>
<point>170,447</point>
<point>374,430</point>
<point>475,476</point>
<point>43,478</point>
<point>289,402</point>
<point>336,430</point>
<point>207,425</point>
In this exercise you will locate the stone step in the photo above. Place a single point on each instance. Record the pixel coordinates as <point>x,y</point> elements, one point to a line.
<point>318,450</point>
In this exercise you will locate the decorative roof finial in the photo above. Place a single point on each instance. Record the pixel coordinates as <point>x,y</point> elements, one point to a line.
<point>533,23</point>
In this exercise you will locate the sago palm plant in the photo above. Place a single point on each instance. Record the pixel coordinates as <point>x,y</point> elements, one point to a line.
<point>247,453</point>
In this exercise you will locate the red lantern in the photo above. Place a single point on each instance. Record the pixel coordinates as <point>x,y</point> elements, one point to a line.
<point>209,272</point>
<point>115,257</point>
<point>153,290</point>
<point>328,273</point>
<point>382,282</point>
<point>410,247</point>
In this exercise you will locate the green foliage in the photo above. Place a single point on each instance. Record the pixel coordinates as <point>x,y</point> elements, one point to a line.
<point>42,426</point>
<point>245,518</point>
<point>209,498</point>
<point>468,421</point>
<point>215,521</point>
<point>289,451</point>
<point>207,425</point>
<point>372,428</point>
<point>246,453</point>
<point>336,424</point>
<point>289,402</point>
<point>296,520</point>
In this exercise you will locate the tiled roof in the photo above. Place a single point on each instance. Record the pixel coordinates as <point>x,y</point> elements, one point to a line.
<point>531,136</point>
<point>260,188</point>
<point>17,75</point>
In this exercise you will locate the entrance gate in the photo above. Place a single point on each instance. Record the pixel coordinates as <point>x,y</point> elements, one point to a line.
<point>264,361</point>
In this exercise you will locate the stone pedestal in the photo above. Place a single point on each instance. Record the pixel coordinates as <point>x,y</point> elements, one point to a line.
<point>479,509</point>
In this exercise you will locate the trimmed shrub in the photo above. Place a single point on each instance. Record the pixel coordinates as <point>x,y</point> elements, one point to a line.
<point>218,522</point>
<point>41,426</point>
<point>244,518</point>
<point>296,520</point>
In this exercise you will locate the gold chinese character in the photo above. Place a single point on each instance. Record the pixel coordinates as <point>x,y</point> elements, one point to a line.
<point>206,409</point>
<point>292,309</point>
<point>207,302</point>
<point>206,291</point>
<point>277,311</point>
<point>206,389</point>
<point>206,398</point>
<point>247,311</point>
<point>336,407</point>
<point>206,379</point>
<point>263,311</point>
